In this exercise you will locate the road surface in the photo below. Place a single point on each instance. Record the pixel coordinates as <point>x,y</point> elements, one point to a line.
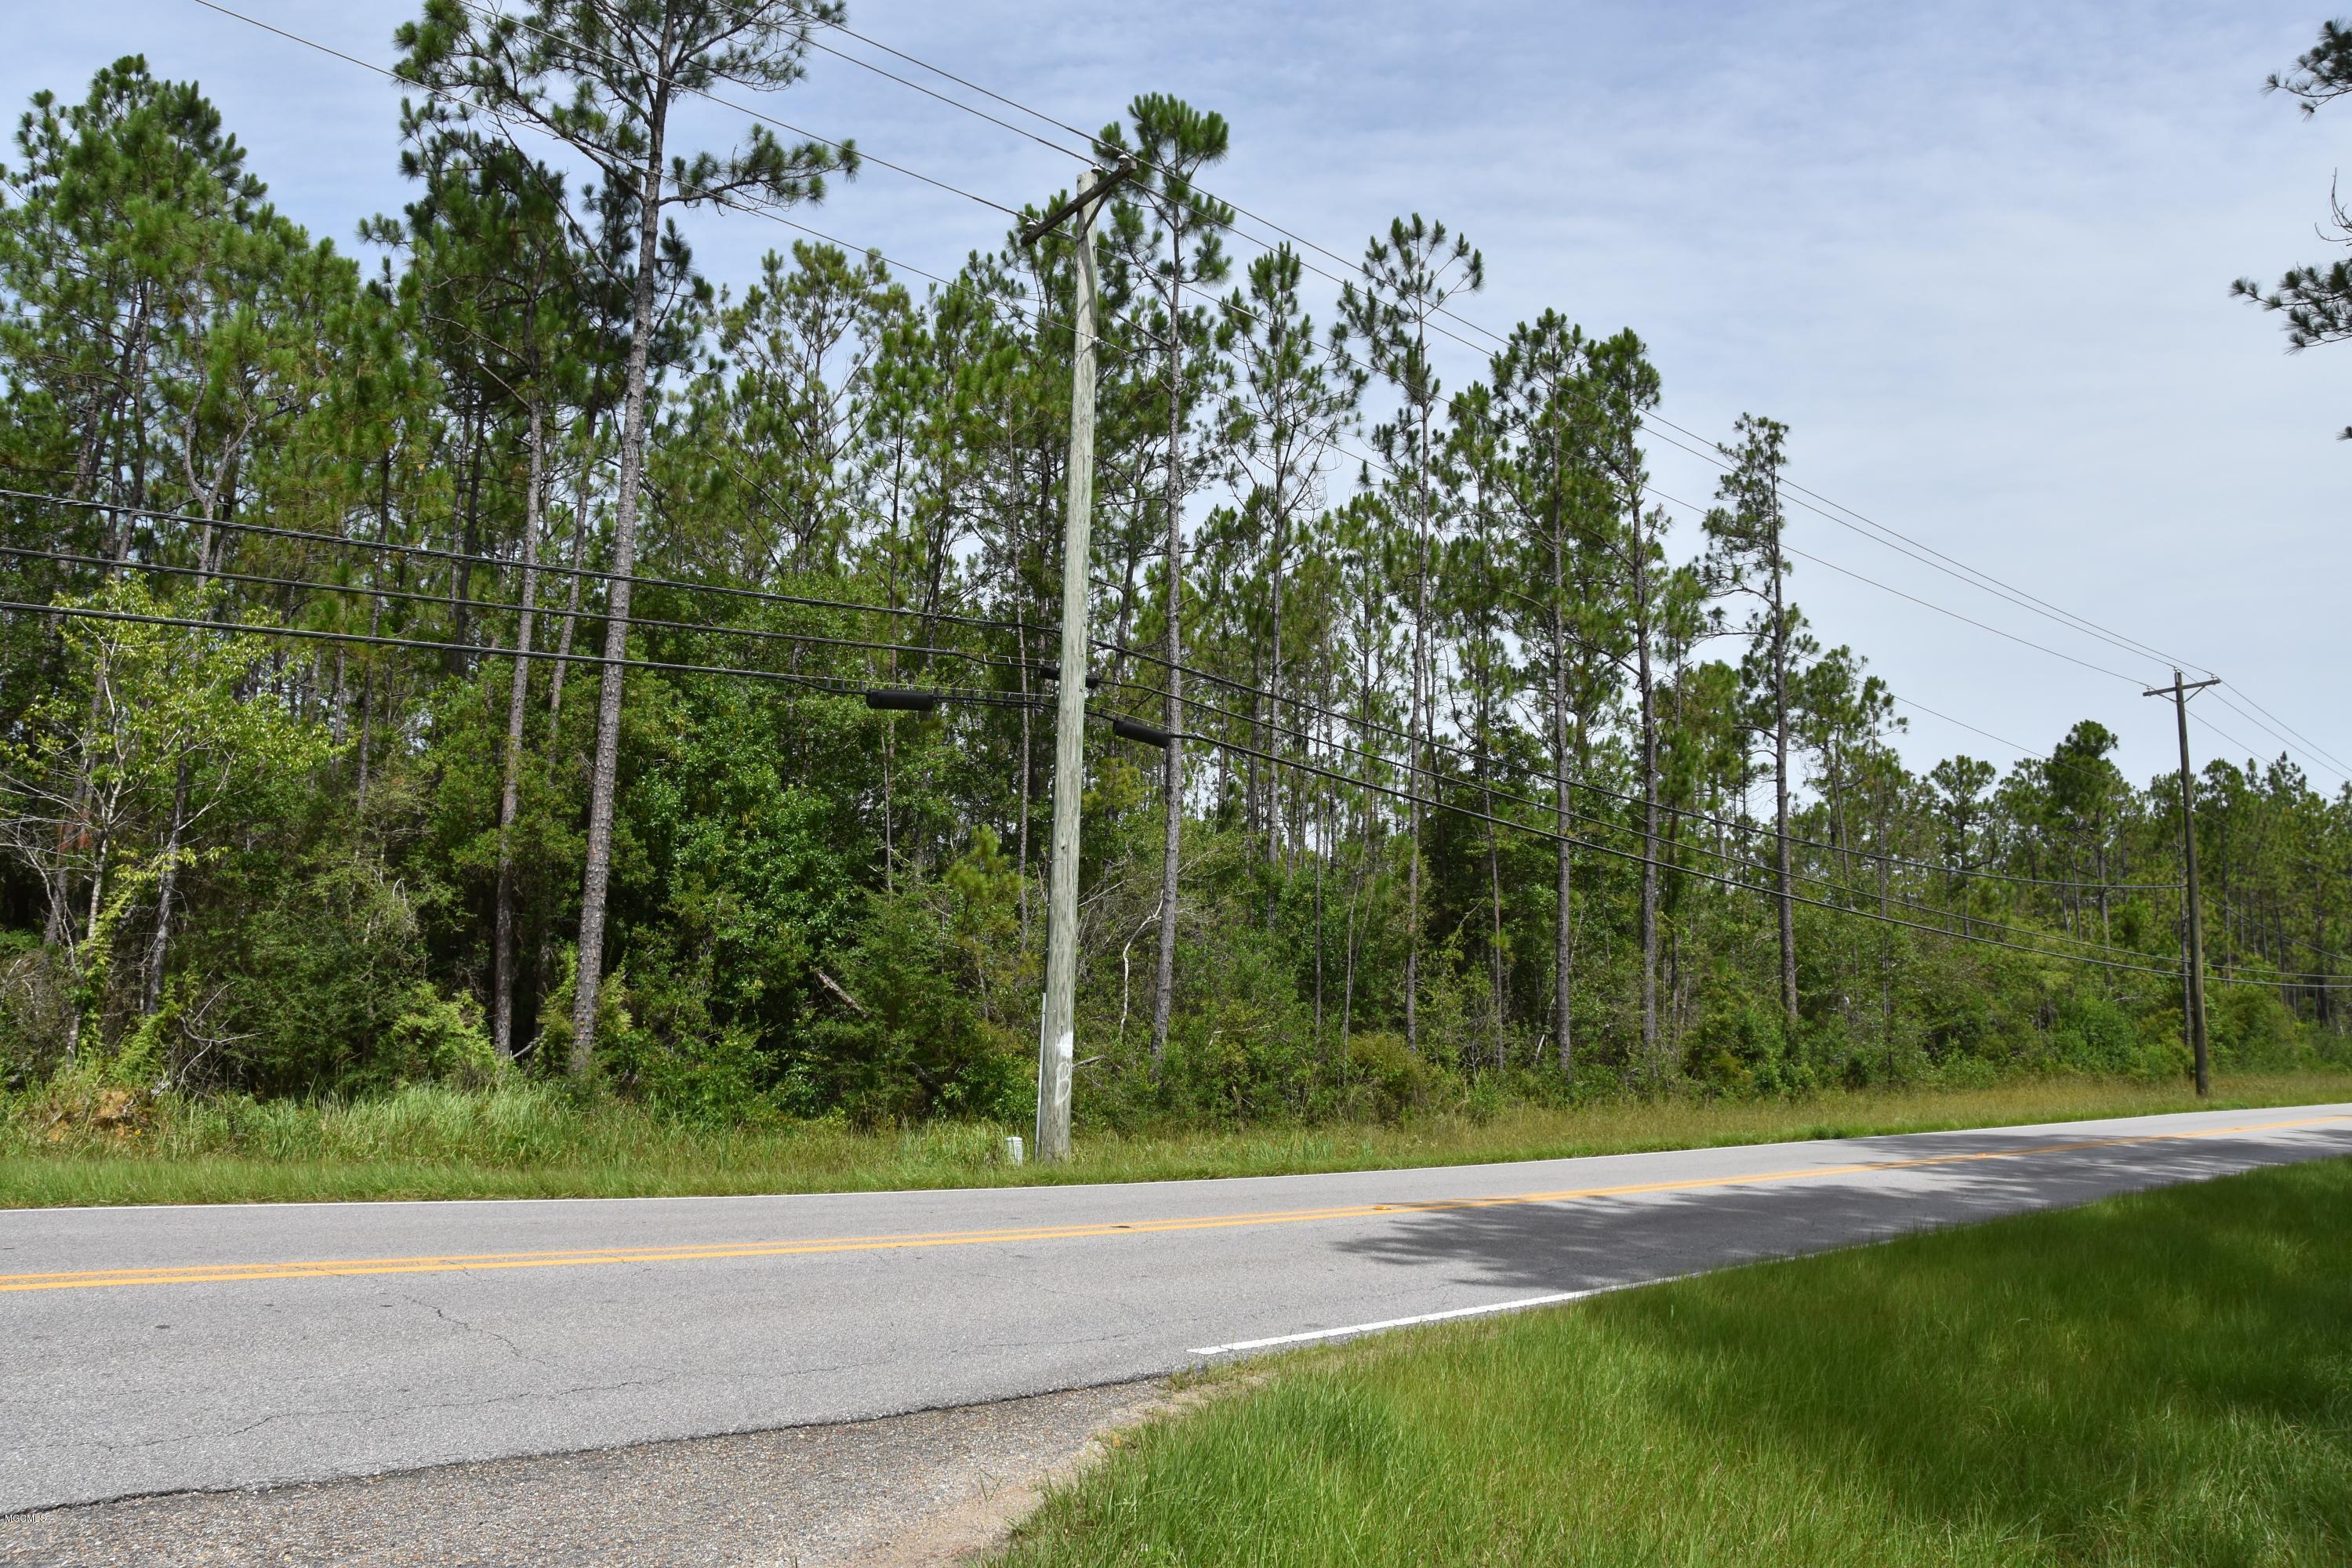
<point>167,1349</point>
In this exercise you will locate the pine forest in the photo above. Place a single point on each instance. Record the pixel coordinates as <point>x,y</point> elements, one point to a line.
<point>487,646</point>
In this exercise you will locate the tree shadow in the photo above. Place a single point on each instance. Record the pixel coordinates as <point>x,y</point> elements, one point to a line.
<point>2088,1380</point>
<point>1585,1242</point>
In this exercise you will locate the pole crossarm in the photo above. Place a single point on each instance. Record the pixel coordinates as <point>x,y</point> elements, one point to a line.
<point>1091,193</point>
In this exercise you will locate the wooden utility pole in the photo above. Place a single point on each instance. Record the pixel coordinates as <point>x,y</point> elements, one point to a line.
<point>2193,962</point>
<point>1056,1032</point>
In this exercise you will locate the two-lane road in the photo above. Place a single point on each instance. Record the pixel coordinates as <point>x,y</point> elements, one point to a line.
<point>163,1348</point>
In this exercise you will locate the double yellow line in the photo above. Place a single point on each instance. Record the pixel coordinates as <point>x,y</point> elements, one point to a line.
<point>347,1268</point>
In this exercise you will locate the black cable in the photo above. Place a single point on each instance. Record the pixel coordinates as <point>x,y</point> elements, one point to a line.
<point>1826,883</point>
<point>503,564</point>
<point>710,96</point>
<point>1526,770</point>
<point>505,606</point>
<point>830,685</point>
<point>2223,699</point>
<point>505,122</point>
<point>1788,549</point>
<point>981,697</point>
<point>1702,876</point>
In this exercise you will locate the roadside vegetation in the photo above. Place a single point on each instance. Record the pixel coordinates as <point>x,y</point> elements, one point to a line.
<point>542,1141</point>
<point>2160,1378</point>
<point>1491,793</point>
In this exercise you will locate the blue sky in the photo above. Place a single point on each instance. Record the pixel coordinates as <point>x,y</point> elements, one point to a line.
<point>1977,257</point>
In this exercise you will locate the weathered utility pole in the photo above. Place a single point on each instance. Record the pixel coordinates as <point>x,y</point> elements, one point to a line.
<point>2193,963</point>
<point>1056,1033</point>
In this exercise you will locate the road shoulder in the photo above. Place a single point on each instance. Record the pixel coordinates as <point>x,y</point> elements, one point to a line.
<point>938,1486</point>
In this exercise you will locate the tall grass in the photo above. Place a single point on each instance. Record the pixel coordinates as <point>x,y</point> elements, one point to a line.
<point>538,1141</point>
<point>2155,1380</point>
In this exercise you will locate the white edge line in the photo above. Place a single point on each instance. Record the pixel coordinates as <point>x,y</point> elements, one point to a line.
<point>1557,1298</point>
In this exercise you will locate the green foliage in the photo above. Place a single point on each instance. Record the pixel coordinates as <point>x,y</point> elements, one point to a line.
<point>1432,709</point>
<point>434,1040</point>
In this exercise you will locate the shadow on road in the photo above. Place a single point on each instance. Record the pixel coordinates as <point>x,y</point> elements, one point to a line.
<point>1573,1245</point>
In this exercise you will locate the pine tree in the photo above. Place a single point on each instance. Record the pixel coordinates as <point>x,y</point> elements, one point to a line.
<point>605,77</point>
<point>1406,280</point>
<point>1175,141</point>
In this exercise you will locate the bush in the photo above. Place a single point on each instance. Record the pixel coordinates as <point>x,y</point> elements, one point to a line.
<point>435,1039</point>
<point>895,1035</point>
<point>1743,1049</point>
<point>2249,1026</point>
<point>1387,1081</point>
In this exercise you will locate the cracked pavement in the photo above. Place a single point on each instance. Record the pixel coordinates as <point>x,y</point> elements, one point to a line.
<point>257,1346</point>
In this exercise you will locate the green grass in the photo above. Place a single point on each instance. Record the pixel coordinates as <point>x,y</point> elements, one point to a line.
<point>533,1142</point>
<point>2162,1379</point>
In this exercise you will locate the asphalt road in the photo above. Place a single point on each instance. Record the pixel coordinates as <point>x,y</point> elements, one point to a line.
<point>166,1349</point>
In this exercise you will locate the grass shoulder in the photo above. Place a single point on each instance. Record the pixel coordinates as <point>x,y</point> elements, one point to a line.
<point>2158,1378</point>
<point>532,1142</point>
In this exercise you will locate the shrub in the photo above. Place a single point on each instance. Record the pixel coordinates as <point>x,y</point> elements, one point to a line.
<point>435,1039</point>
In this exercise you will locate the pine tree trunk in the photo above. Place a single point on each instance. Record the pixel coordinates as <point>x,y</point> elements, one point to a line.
<point>502,983</point>
<point>1787,887</point>
<point>166,887</point>
<point>1171,780</point>
<point>1562,955</point>
<point>604,770</point>
<point>571,620</point>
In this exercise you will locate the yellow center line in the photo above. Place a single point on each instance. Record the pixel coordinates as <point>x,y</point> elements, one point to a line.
<point>228,1273</point>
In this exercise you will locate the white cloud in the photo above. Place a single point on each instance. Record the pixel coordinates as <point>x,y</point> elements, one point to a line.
<point>1976,255</point>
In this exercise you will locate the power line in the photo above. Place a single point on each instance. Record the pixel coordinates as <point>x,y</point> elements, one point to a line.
<point>1527,770</point>
<point>1947,718</point>
<point>505,122</point>
<point>831,687</point>
<point>1818,880</point>
<point>1924,603</point>
<point>1925,555</point>
<point>500,562</point>
<point>1368,461</point>
<point>1884,534</point>
<point>2250,752</point>
<point>454,601</point>
<point>2223,698</point>
<point>507,563</point>
<point>2167,974</point>
<point>2298,734</point>
<point>849,149</point>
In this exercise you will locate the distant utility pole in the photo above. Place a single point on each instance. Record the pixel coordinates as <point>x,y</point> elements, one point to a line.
<point>2193,965</point>
<point>1056,1032</point>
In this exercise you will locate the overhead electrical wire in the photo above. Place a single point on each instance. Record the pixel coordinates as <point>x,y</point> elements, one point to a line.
<point>1827,883</point>
<point>373,639</point>
<point>1812,500</point>
<point>851,149</point>
<point>2167,973</point>
<point>2223,697</point>
<point>1969,920</point>
<point>2001,589</point>
<point>1341,448</point>
<point>551,611</point>
<point>1038,312</point>
<point>1524,770</point>
<point>502,563</point>
<point>834,686</point>
<point>895,649</point>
